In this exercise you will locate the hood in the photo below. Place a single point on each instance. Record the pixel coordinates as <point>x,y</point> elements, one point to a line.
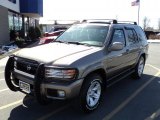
<point>52,52</point>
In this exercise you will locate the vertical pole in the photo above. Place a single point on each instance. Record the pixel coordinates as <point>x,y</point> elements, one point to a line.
<point>23,26</point>
<point>138,11</point>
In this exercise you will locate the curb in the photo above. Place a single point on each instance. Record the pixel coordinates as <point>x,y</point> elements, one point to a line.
<point>2,66</point>
<point>12,52</point>
<point>9,53</point>
<point>153,41</point>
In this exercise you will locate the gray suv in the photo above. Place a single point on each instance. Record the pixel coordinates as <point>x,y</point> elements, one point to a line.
<point>81,63</point>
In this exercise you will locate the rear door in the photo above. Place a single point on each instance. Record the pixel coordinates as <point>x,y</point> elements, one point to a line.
<point>133,45</point>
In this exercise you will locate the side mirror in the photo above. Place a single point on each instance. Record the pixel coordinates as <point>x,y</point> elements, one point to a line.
<point>116,46</point>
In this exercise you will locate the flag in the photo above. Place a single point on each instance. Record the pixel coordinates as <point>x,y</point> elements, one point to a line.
<point>135,3</point>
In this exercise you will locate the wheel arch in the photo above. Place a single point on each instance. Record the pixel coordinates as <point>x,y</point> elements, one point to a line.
<point>144,56</point>
<point>100,72</point>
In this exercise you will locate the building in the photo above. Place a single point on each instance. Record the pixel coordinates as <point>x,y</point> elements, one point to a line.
<point>18,15</point>
<point>152,34</point>
<point>47,25</point>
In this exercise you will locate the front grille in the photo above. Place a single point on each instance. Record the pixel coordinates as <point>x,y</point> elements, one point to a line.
<point>25,65</point>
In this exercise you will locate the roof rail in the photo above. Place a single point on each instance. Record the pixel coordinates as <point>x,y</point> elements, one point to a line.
<point>108,21</point>
<point>129,22</point>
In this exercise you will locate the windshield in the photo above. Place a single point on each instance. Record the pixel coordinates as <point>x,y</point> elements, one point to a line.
<point>87,34</point>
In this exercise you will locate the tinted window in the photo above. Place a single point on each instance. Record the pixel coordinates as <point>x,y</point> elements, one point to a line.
<point>140,33</point>
<point>135,35</point>
<point>132,37</point>
<point>118,36</point>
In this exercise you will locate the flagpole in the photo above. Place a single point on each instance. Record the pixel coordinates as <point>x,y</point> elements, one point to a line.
<point>138,11</point>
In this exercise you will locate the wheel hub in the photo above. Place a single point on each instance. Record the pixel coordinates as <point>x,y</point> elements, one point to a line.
<point>141,67</point>
<point>93,94</point>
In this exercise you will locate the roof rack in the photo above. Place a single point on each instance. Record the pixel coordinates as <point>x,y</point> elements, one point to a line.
<point>105,21</point>
<point>129,22</point>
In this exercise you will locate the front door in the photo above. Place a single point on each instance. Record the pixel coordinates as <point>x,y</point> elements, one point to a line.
<point>116,61</point>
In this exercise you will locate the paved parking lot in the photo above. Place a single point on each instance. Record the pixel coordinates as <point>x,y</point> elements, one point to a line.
<point>129,99</point>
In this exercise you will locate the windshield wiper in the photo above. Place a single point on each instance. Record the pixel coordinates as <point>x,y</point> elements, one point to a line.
<point>60,41</point>
<point>78,43</point>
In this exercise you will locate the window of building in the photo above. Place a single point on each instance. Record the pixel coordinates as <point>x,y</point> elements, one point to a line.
<point>32,22</point>
<point>10,20</point>
<point>13,1</point>
<point>15,21</point>
<point>15,24</point>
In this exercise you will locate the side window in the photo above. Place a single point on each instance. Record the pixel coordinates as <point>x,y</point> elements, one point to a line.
<point>141,34</point>
<point>118,36</point>
<point>131,35</point>
<point>135,35</point>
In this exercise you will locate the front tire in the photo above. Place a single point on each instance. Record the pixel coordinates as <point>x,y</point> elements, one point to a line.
<point>91,93</point>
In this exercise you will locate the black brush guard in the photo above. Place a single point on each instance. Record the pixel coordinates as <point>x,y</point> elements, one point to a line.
<point>38,80</point>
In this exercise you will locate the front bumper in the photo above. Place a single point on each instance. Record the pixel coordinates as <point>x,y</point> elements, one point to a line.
<point>50,89</point>
<point>27,76</point>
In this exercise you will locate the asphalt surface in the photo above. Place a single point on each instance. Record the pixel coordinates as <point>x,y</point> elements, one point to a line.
<point>128,99</point>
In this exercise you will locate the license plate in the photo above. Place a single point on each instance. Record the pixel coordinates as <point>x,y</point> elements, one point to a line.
<point>24,86</point>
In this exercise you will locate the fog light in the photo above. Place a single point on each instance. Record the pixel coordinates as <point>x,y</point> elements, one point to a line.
<point>61,93</point>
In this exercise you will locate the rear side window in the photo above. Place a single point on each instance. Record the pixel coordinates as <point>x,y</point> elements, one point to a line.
<point>118,36</point>
<point>141,34</point>
<point>131,35</point>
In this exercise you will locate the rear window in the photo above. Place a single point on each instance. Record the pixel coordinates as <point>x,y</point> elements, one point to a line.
<point>140,33</point>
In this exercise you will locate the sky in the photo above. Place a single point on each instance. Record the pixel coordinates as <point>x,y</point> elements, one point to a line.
<point>104,9</point>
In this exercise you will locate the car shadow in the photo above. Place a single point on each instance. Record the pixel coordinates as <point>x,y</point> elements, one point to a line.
<point>31,109</point>
<point>112,98</point>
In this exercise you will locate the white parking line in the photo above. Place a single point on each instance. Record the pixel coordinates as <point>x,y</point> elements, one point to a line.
<point>1,80</point>
<point>153,67</point>
<point>1,72</point>
<point>154,115</point>
<point>122,105</point>
<point>4,90</point>
<point>11,104</point>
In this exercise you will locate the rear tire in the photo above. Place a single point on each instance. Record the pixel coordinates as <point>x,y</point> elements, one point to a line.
<point>91,93</point>
<point>139,68</point>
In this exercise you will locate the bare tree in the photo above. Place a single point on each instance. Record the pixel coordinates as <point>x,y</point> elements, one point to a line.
<point>146,22</point>
<point>159,24</point>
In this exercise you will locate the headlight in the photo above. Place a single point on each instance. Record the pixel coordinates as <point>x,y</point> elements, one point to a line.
<point>60,73</point>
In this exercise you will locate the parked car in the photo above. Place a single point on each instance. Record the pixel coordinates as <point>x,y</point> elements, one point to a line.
<point>52,31</point>
<point>80,64</point>
<point>50,37</point>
